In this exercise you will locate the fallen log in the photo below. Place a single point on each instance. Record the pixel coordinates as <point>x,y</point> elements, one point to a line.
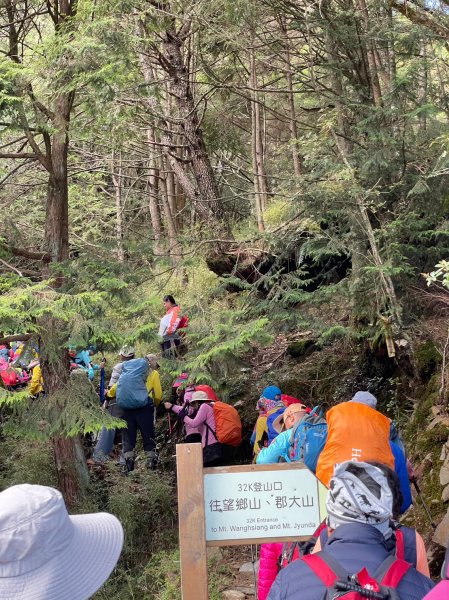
<point>17,337</point>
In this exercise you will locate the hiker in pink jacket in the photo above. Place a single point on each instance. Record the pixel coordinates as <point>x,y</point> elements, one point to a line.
<point>203,420</point>
<point>268,567</point>
<point>192,433</point>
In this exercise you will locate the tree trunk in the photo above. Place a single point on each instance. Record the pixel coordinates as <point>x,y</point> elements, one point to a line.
<point>260,186</point>
<point>206,198</point>
<point>117,180</point>
<point>422,86</point>
<point>368,44</point>
<point>57,211</point>
<point>153,193</point>
<point>73,476</point>
<point>71,469</point>
<point>174,247</point>
<point>288,69</point>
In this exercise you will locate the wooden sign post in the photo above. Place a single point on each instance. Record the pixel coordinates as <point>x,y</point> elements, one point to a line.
<point>192,526</point>
<point>245,504</point>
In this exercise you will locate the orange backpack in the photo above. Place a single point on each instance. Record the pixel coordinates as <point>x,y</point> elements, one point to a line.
<point>228,426</point>
<point>355,432</point>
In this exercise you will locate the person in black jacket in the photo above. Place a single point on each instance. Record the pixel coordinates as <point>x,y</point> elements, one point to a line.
<point>359,506</point>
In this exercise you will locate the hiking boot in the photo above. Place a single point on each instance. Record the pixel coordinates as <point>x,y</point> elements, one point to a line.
<point>129,463</point>
<point>151,460</point>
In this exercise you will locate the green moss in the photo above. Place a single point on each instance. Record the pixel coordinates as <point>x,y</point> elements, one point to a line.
<point>428,397</point>
<point>301,347</point>
<point>432,440</point>
<point>334,333</point>
<point>427,359</point>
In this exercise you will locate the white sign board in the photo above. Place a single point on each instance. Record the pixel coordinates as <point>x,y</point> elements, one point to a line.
<point>279,501</point>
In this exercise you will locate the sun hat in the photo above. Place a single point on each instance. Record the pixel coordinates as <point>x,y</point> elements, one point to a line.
<point>202,387</point>
<point>45,554</point>
<point>279,422</point>
<point>200,397</point>
<point>365,398</point>
<point>359,493</point>
<point>127,351</point>
<point>152,357</point>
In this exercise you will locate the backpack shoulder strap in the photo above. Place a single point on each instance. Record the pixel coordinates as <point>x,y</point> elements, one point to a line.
<point>391,571</point>
<point>410,545</point>
<point>293,433</point>
<point>208,427</point>
<point>400,552</point>
<point>325,567</point>
<point>288,551</point>
<point>323,536</point>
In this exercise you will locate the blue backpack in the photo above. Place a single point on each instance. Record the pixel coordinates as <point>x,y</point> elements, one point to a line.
<point>308,439</point>
<point>131,387</point>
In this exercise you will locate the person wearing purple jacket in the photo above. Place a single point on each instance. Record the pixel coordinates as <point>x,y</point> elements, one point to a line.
<point>359,506</point>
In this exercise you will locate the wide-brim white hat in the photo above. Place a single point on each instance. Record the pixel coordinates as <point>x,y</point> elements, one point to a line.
<point>57,556</point>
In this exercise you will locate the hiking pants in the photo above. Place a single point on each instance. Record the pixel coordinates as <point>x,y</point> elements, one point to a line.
<point>141,419</point>
<point>105,441</point>
<point>170,347</point>
<point>104,445</point>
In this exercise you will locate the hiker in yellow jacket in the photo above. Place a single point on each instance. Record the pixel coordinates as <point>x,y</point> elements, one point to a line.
<point>36,385</point>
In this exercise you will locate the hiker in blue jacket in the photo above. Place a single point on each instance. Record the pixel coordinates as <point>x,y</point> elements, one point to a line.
<point>400,466</point>
<point>359,506</point>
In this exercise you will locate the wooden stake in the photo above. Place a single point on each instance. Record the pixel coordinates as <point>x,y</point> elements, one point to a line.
<point>192,529</point>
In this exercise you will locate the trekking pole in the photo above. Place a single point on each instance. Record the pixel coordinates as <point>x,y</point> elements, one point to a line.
<point>102,381</point>
<point>426,508</point>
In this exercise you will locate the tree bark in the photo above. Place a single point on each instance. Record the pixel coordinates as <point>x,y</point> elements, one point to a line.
<point>153,193</point>
<point>204,195</point>
<point>117,180</point>
<point>422,86</point>
<point>71,469</point>
<point>257,151</point>
<point>174,247</point>
<point>70,461</point>
<point>368,45</point>
<point>288,70</point>
<point>18,337</point>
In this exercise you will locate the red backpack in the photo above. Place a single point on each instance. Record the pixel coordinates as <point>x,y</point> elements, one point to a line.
<point>183,322</point>
<point>361,585</point>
